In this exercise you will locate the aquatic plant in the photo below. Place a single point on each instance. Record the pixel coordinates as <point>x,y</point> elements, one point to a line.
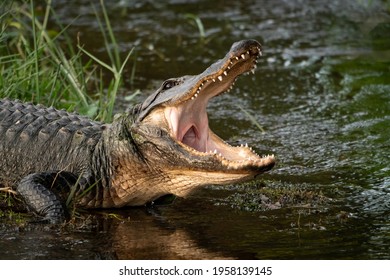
<point>199,24</point>
<point>41,64</point>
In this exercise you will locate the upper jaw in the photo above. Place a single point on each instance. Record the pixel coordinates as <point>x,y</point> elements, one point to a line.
<point>188,121</point>
<point>186,111</point>
<point>220,76</point>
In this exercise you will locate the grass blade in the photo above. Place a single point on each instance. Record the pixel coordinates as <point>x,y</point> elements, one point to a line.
<point>252,119</point>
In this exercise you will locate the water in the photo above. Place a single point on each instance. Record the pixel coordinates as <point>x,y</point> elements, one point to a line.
<point>321,92</point>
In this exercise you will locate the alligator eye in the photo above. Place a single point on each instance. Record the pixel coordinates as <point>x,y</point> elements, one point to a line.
<point>169,84</point>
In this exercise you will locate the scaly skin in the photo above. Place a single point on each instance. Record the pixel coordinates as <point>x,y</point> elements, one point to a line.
<point>162,146</point>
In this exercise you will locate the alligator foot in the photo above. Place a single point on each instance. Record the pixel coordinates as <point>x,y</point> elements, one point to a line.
<point>37,190</point>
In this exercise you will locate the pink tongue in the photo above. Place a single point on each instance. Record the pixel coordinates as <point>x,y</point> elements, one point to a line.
<point>191,140</point>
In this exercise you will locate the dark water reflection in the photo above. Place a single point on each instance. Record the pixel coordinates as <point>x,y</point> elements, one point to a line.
<point>322,94</point>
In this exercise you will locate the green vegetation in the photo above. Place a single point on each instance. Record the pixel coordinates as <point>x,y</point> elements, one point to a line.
<point>257,196</point>
<point>12,210</point>
<point>43,65</point>
<point>199,24</point>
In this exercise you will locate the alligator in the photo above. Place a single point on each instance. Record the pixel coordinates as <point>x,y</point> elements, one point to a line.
<point>161,146</point>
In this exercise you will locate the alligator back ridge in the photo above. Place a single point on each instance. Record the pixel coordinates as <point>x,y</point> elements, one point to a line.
<point>34,138</point>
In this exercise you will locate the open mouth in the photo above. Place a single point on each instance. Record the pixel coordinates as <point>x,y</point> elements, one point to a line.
<point>188,120</point>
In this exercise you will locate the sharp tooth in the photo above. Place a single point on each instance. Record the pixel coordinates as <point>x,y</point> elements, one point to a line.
<point>225,73</point>
<point>202,84</point>
<point>246,145</point>
<point>253,71</point>
<point>192,98</point>
<point>215,151</point>
<point>237,58</point>
<point>260,53</point>
<point>243,56</point>
<point>198,91</point>
<point>229,67</point>
<point>196,95</point>
<point>220,78</point>
<point>247,52</point>
<point>214,80</point>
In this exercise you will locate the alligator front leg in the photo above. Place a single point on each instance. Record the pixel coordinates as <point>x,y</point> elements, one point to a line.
<point>45,194</point>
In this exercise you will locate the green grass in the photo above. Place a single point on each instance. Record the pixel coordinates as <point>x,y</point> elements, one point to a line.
<point>199,24</point>
<point>46,66</point>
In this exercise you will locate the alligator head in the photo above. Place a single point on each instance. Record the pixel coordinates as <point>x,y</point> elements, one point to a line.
<point>172,133</point>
